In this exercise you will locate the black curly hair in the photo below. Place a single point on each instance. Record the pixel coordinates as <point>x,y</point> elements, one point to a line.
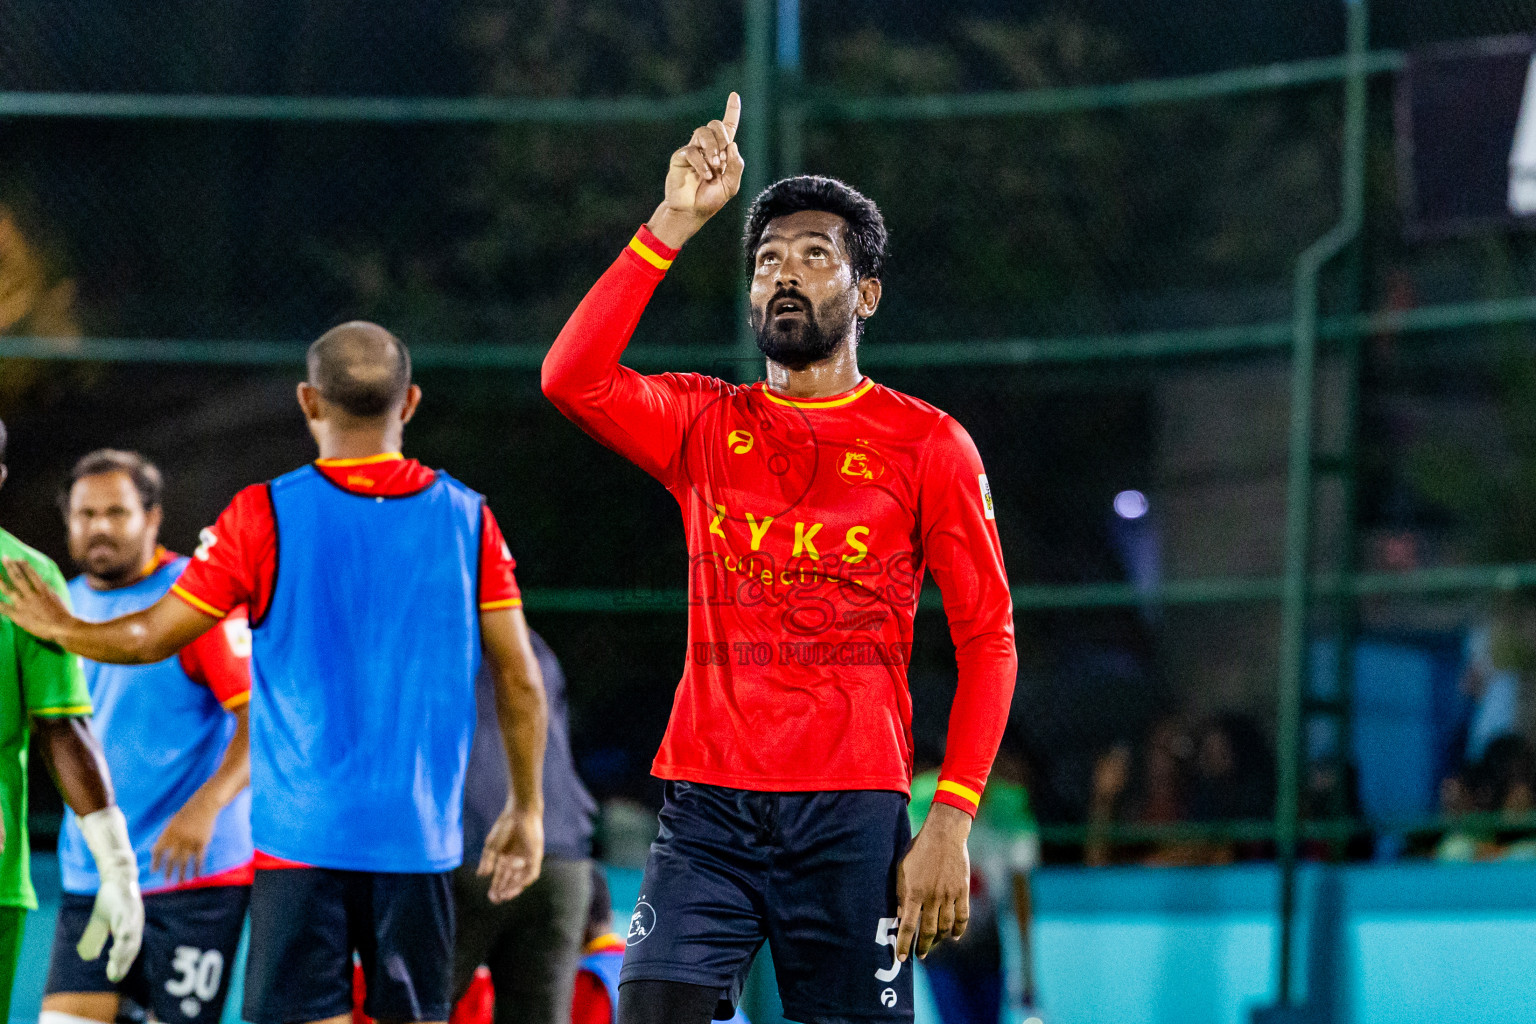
<point>866,227</point>
<point>144,474</point>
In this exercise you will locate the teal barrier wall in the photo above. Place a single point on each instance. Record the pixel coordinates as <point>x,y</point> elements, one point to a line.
<point>1380,944</point>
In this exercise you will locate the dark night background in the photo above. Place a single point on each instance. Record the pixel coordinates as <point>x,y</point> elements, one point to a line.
<point>1167,216</point>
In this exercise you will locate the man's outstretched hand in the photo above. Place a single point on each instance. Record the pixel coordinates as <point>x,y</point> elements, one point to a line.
<point>702,178</point>
<point>933,883</point>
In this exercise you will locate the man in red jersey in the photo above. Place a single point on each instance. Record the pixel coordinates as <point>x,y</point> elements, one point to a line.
<point>813,502</point>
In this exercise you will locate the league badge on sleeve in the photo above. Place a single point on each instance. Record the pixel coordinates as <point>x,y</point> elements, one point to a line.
<point>986,495</point>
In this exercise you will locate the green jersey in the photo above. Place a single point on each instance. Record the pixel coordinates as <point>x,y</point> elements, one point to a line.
<point>36,680</point>
<point>1004,806</point>
<point>1005,836</point>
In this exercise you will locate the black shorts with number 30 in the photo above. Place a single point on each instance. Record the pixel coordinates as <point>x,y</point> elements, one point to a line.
<point>813,874</point>
<point>182,972</point>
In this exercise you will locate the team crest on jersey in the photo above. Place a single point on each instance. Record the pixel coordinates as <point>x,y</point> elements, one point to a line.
<point>740,441</point>
<point>860,464</point>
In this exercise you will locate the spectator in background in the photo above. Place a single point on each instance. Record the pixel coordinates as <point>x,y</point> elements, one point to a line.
<point>1234,771</point>
<point>1225,772</point>
<point>1332,790</point>
<point>602,954</point>
<point>531,944</point>
<point>1503,782</point>
<point>1234,781</point>
<point>1491,684</point>
<point>966,976</point>
<point>597,978</point>
<point>1152,789</point>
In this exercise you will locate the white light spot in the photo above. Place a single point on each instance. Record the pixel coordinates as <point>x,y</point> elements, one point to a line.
<point>1129,505</point>
<point>1034,1020</point>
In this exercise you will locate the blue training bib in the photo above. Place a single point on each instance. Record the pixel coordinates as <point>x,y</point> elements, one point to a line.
<point>363,668</point>
<point>164,734</point>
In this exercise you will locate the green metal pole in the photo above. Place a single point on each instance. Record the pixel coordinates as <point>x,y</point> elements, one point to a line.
<point>1424,321</point>
<point>569,110</point>
<point>1346,607</point>
<point>792,110</point>
<point>756,117</point>
<point>1298,505</point>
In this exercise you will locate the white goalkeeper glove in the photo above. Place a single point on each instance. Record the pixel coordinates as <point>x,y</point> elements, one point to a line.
<point>119,909</point>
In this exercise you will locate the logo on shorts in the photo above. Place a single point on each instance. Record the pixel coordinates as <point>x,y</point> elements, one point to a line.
<point>888,997</point>
<point>641,923</point>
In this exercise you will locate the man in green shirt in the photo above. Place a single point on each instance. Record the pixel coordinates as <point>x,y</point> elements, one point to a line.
<point>966,977</point>
<point>43,692</point>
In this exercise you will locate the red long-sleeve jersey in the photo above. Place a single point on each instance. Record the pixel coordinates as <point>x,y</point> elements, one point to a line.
<point>810,524</point>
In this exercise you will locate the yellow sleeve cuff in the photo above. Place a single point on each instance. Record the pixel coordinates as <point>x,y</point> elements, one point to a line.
<point>491,606</point>
<point>965,793</point>
<point>650,256</point>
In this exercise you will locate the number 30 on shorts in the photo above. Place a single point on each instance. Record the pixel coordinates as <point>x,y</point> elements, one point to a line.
<point>201,971</point>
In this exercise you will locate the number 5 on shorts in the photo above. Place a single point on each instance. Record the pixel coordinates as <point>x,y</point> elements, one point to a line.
<point>885,934</point>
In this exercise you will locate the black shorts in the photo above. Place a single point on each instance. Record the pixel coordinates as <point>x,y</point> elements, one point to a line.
<point>182,972</point>
<point>306,923</point>
<point>813,874</point>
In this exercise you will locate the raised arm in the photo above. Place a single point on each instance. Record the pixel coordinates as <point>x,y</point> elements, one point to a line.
<point>514,848</point>
<point>151,635</point>
<point>640,417</point>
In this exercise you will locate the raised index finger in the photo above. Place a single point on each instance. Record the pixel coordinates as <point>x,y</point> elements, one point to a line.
<point>732,116</point>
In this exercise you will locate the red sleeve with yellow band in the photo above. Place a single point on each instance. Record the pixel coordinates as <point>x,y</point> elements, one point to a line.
<point>220,659</point>
<point>965,556</point>
<point>236,560</point>
<point>643,418</point>
<point>498,584</point>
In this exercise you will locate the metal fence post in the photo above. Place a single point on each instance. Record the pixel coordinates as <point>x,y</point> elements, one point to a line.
<point>1299,491</point>
<point>792,110</point>
<point>756,117</point>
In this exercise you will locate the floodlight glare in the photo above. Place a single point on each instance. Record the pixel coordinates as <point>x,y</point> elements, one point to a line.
<point>1131,505</point>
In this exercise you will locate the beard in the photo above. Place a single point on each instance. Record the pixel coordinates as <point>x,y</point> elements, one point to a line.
<point>797,343</point>
<point>111,562</point>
